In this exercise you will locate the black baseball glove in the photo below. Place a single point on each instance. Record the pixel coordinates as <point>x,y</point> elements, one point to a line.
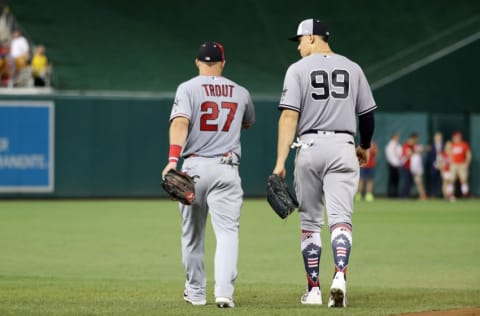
<point>280,198</point>
<point>179,186</point>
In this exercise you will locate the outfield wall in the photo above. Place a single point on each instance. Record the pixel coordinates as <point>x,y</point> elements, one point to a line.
<point>475,146</point>
<point>117,147</point>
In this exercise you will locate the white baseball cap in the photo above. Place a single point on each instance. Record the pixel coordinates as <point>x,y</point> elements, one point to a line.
<point>311,27</point>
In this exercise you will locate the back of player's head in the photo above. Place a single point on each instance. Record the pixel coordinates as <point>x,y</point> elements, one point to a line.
<point>211,52</point>
<point>312,27</point>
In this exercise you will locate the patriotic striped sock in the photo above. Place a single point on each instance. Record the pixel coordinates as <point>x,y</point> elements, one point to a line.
<point>311,251</point>
<point>341,246</point>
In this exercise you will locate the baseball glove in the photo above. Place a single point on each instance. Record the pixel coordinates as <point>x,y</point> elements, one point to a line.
<point>280,198</point>
<point>179,186</point>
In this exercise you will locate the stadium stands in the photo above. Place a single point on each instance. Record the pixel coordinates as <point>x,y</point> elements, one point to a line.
<point>149,46</point>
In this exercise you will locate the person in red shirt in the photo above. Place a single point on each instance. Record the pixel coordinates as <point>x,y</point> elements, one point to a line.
<point>405,173</point>
<point>460,158</point>
<point>367,173</point>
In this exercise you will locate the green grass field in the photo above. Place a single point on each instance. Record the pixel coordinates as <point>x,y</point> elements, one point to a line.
<point>122,257</point>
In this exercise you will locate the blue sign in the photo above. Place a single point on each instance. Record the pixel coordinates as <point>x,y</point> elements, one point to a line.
<point>26,146</point>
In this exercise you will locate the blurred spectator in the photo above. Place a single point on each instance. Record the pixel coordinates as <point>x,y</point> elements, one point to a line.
<point>444,166</point>
<point>20,53</point>
<point>6,22</point>
<point>367,174</point>
<point>39,66</point>
<point>461,156</point>
<point>405,173</point>
<point>393,154</point>
<point>416,168</point>
<point>433,161</point>
<point>19,48</point>
<point>5,64</point>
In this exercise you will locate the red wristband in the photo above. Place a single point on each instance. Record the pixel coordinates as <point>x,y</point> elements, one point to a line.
<point>174,153</point>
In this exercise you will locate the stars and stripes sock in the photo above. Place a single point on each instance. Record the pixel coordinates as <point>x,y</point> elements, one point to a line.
<point>311,251</point>
<point>341,245</point>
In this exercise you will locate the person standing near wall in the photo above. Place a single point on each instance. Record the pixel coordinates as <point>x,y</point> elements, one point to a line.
<point>393,154</point>
<point>461,156</point>
<point>416,168</point>
<point>447,179</point>
<point>434,157</point>
<point>405,173</point>
<point>367,176</point>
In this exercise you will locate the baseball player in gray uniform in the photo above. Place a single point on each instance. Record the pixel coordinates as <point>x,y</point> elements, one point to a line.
<point>322,95</point>
<point>208,113</point>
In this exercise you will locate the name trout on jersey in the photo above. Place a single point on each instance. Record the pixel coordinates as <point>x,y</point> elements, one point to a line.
<point>218,90</point>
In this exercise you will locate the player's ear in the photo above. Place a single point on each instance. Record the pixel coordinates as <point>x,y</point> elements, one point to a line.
<point>197,62</point>
<point>223,64</point>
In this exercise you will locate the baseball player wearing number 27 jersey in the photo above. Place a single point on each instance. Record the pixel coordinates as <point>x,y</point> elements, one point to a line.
<point>322,94</point>
<point>206,119</point>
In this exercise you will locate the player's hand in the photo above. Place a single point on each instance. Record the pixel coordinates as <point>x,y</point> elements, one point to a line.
<point>362,156</point>
<point>280,171</point>
<point>170,165</point>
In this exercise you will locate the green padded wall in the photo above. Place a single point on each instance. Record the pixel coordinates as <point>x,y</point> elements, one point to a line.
<point>448,123</point>
<point>117,147</point>
<point>109,147</point>
<point>475,147</point>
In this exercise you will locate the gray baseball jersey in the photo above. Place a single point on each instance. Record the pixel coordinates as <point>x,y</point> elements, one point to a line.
<point>328,90</point>
<point>217,108</point>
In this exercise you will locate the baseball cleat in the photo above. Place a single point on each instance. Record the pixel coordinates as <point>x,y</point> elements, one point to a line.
<point>338,291</point>
<point>194,303</point>
<point>314,297</point>
<point>224,302</point>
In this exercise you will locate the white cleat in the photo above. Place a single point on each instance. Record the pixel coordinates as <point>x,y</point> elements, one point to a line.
<point>314,297</point>
<point>194,303</point>
<point>224,302</point>
<point>338,291</point>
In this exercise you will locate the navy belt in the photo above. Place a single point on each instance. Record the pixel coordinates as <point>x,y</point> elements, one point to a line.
<point>318,131</point>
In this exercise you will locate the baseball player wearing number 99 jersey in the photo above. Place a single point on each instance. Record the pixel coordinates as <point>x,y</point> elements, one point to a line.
<point>206,119</point>
<point>322,95</point>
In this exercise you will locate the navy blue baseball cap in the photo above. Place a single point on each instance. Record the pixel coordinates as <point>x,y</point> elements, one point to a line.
<point>211,52</point>
<point>311,27</point>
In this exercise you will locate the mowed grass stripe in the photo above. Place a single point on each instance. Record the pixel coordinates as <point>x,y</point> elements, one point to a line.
<point>122,257</point>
